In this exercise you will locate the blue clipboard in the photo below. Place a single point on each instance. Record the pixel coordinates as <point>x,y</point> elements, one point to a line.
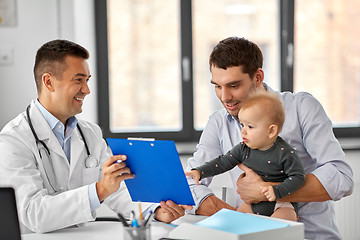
<point>159,175</point>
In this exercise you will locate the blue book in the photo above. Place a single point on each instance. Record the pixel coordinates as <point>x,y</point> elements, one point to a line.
<point>159,175</point>
<point>232,225</point>
<point>240,223</point>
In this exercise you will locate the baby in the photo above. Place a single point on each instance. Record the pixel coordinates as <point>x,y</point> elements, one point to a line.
<point>261,118</point>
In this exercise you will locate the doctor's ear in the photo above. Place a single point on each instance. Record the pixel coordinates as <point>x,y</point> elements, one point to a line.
<point>48,81</point>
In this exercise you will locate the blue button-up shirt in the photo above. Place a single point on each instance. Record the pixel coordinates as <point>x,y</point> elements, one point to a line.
<point>58,128</point>
<point>64,138</point>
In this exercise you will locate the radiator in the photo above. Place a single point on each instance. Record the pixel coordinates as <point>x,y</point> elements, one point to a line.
<point>347,215</point>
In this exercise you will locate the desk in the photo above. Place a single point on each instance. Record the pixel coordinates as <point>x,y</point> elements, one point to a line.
<point>107,230</point>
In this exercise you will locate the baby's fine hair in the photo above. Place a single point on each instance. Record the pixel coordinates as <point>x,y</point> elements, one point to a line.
<point>270,106</point>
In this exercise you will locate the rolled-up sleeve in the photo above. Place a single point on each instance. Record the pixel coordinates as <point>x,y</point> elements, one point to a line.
<point>332,170</point>
<point>336,179</point>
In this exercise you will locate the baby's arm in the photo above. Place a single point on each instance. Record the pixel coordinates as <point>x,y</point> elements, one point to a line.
<point>195,174</point>
<point>218,165</point>
<point>269,193</point>
<point>293,169</point>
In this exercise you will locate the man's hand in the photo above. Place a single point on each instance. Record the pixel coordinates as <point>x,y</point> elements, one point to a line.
<point>170,211</point>
<point>194,174</point>
<point>211,205</point>
<point>113,173</point>
<point>249,186</point>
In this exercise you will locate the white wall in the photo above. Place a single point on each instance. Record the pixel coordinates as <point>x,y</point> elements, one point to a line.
<point>37,22</point>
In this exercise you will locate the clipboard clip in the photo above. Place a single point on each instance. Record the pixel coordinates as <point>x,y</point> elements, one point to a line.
<point>141,139</point>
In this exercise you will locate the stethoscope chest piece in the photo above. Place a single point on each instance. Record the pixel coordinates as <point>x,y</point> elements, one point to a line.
<point>91,162</point>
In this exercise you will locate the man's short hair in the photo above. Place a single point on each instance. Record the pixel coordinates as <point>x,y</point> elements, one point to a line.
<point>50,58</point>
<point>235,51</point>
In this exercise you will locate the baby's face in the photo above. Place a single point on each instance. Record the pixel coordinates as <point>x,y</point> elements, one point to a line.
<point>255,128</point>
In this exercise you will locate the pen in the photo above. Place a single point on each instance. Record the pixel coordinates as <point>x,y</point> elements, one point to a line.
<point>134,223</point>
<point>133,219</point>
<point>148,217</point>
<point>122,219</point>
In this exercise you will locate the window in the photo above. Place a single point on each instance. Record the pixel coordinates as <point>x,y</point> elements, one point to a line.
<point>221,19</point>
<point>327,59</point>
<point>144,70</point>
<point>153,60</point>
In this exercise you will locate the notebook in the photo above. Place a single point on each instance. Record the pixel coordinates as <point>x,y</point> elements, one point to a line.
<point>233,225</point>
<point>9,221</point>
<point>159,175</point>
<point>240,223</point>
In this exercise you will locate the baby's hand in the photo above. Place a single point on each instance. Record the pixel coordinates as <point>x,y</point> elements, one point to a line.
<point>195,174</point>
<point>269,193</point>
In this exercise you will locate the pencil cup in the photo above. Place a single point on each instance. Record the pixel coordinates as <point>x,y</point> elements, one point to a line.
<point>137,233</point>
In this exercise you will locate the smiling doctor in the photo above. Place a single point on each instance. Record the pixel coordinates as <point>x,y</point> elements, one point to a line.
<point>60,166</point>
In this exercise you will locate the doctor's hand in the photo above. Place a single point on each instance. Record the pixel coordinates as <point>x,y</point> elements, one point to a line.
<point>114,172</point>
<point>170,211</point>
<point>250,185</point>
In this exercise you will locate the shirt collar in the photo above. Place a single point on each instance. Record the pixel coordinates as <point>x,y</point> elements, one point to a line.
<point>52,120</point>
<point>229,116</point>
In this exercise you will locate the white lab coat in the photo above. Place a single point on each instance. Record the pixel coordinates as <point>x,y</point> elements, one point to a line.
<point>40,208</point>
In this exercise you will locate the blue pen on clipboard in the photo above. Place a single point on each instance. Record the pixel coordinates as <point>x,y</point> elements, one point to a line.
<point>120,161</point>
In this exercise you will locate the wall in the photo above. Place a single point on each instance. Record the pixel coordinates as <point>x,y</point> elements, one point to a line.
<point>37,22</point>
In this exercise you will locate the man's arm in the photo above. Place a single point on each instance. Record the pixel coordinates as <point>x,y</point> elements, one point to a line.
<point>249,187</point>
<point>311,191</point>
<point>211,205</point>
<point>207,149</point>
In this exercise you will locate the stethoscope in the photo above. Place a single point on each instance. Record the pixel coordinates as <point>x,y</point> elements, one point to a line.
<point>90,161</point>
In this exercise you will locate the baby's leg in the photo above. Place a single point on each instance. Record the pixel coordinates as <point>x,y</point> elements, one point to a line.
<point>245,208</point>
<point>285,210</point>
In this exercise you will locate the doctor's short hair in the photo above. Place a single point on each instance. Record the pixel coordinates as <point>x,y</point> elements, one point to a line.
<point>234,52</point>
<point>269,105</point>
<point>50,58</point>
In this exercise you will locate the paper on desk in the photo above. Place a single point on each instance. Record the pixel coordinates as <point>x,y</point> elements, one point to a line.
<point>240,223</point>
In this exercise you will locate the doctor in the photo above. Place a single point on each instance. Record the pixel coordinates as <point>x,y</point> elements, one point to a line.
<point>60,166</point>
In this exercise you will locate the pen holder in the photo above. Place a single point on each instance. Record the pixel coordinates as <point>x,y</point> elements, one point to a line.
<point>137,233</point>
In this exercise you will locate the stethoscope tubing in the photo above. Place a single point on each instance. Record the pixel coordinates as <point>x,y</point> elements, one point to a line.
<point>42,142</point>
<point>37,140</point>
